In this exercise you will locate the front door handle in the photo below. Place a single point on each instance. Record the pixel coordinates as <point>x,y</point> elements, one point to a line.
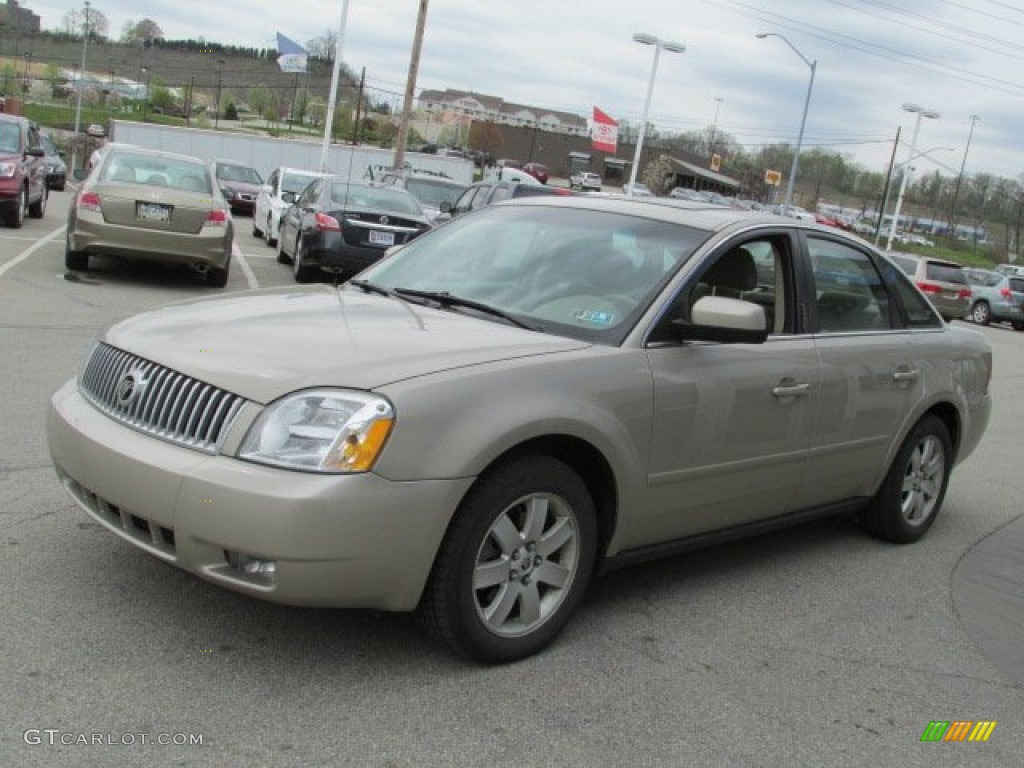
<point>789,388</point>
<point>905,375</point>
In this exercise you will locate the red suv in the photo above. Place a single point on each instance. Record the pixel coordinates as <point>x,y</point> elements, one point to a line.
<point>22,171</point>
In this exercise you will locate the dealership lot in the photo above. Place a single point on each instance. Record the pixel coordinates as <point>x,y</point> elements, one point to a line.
<point>818,646</point>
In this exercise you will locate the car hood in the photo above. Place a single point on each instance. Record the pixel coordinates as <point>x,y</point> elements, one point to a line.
<point>264,344</point>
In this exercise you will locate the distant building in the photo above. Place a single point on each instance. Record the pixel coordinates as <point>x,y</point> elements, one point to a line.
<point>458,106</point>
<point>13,16</point>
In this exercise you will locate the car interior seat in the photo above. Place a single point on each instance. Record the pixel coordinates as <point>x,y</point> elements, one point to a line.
<point>123,173</point>
<point>191,183</point>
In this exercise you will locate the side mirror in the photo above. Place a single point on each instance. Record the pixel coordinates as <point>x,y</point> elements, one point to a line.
<point>80,174</point>
<point>446,207</point>
<point>725,320</point>
<point>288,197</point>
<point>36,152</point>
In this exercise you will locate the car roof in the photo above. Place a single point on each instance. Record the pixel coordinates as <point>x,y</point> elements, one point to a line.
<point>113,148</point>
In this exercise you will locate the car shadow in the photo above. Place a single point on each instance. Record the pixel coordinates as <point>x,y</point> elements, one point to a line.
<point>110,270</point>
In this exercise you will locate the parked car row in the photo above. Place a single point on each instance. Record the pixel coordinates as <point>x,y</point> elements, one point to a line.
<point>23,171</point>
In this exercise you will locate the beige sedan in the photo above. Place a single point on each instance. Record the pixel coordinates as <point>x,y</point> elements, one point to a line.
<point>534,392</point>
<point>141,204</point>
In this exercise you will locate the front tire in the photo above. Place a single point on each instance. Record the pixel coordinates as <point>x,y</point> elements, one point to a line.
<point>515,562</point>
<point>981,313</point>
<point>911,495</point>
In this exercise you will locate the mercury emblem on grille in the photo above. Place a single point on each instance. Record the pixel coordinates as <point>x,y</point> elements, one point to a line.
<point>384,219</point>
<point>130,387</point>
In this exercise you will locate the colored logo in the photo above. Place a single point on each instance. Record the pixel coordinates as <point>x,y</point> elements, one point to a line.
<point>958,730</point>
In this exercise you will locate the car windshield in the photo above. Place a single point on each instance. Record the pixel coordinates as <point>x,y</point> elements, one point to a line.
<point>580,273</point>
<point>157,171</point>
<point>241,173</point>
<point>433,192</point>
<point>364,197</point>
<point>296,182</point>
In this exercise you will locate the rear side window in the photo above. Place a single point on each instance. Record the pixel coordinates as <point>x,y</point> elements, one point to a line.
<point>945,273</point>
<point>849,293</point>
<point>909,266</point>
<point>1017,284</point>
<point>918,310</point>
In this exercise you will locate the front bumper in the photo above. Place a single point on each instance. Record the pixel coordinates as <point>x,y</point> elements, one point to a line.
<point>357,541</point>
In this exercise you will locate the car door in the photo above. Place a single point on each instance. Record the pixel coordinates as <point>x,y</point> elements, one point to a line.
<point>732,422</point>
<point>36,165</point>
<point>262,208</point>
<point>871,371</point>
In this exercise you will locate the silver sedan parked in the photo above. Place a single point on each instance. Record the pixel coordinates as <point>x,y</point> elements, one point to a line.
<point>516,400</point>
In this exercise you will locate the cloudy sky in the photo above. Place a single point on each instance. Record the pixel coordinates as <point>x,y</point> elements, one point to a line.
<point>955,57</point>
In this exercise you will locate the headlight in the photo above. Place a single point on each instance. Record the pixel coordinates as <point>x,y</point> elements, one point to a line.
<point>321,430</point>
<point>7,170</point>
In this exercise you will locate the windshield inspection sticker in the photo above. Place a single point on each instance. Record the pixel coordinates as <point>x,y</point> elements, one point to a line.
<point>594,317</point>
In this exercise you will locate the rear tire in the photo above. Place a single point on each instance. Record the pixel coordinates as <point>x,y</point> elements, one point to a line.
<point>303,272</point>
<point>17,216</point>
<point>514,563</point>
<point>282,257</point>
<point>268,234</point>
<point>981,313</point>
<point>38,209</point>
<point>911,495</point>
<point>217,277</point>
<point>77,261</point>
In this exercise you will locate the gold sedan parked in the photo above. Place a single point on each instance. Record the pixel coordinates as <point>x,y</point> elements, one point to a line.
<point>154,206</point>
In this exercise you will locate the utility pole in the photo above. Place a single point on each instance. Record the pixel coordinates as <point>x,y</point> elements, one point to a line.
<point>410,86</point>
<point>359,107</point>
<point>960,178</point>
<point>81,76</point>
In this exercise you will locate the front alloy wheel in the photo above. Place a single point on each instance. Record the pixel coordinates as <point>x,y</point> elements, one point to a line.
<point>515,561</point>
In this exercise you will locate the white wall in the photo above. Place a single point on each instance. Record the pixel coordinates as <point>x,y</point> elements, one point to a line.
<point>264,153</point>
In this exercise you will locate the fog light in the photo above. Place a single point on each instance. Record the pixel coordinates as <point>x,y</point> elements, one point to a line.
<point>263,570</point>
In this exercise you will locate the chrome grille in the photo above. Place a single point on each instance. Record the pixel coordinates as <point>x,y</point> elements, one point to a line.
<point>157,400</point>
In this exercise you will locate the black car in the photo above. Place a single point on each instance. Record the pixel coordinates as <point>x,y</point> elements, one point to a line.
<point>56,169</point>
<point>488,192</point>
<point>344,226</point>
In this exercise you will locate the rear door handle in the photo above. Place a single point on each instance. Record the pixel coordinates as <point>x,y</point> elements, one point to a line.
<point>905,375</point>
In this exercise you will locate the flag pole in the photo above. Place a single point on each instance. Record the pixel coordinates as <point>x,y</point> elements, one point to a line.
<point>335,75</point>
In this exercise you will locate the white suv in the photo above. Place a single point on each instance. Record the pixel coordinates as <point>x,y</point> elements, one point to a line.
<point>270,205</point>
<point>585,180</point>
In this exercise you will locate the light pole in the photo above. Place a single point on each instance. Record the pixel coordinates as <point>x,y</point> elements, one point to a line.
<point>145,101</point>
<point>645,39</point>
<point>81,75</point>
<point>803,120</point>
<point>920,112</point>
<point>220,82</point>
<point>714,125</point>
<point>960,178</point>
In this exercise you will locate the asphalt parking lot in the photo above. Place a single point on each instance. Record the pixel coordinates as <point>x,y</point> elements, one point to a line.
<point>817,646</point>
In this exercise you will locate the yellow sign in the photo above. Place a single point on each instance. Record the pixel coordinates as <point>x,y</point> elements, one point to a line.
<point>772,177</point>
<point>716,162</point>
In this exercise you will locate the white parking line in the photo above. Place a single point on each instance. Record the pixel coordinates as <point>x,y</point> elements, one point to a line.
<point>30,250</point>
<point>237,255</point>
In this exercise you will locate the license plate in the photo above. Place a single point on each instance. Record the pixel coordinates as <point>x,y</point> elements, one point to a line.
<point>382,238</point>
<point>153,211</point>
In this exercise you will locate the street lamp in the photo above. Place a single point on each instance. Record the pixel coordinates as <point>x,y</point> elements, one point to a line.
<point>803,120</point>
<point>920,112</point>
<point>81,75</point>
<point>645,39</point>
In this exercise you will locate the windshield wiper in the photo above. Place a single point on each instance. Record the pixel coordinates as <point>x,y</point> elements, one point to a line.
<point>446,299</point>
<point>369,287</point>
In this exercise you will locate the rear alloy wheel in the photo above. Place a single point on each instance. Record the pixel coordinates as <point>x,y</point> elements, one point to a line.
<point>38,209</point>
<point>17,215</point>
<point>981,313</point>
<point>514,563</point>
<point>910,497</point>
<point>303,272</point>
